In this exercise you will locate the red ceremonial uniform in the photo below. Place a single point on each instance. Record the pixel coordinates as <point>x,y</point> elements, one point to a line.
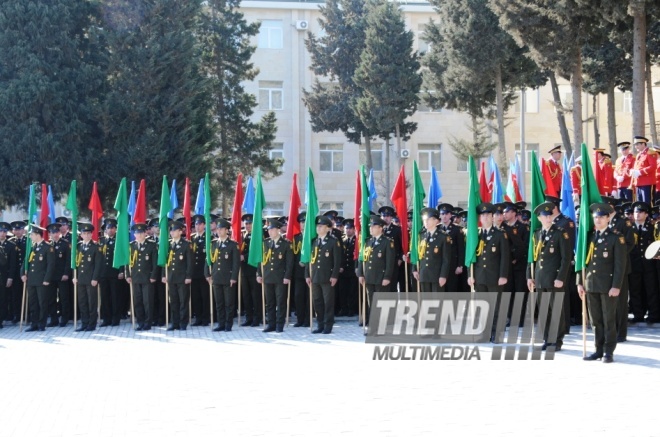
<point>606,177</point>
<point>622,168</point>
<point>576,176</point>
<point>554,169</point>
<point>646,163</point>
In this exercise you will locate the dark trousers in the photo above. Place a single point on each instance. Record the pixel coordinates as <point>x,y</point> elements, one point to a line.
<point>622,311</point>
<point>5,298</point>
<point>60,301</point>
<point>88,301</point>
<point>602,313</point>
<point>323,296</point>
<point>179,297</point>
<point>276,305</point>
<point>16,299</point>
<point>625,193</point>
<point>144,303</point>
<point>517,283</point>
<point>371,289</point>
<point>643,287</point>
<point>301,293</point>
<point>38,299</point>
<point>561,330</point>
<point>644,194</point>
<point>159,303</point>
<point>401,279</point>
<point>251,293</point>
<point>482,288</point>
<point>225,304</point>
<point>201,300</point>
<point>110,300</point>
<point>348,285</point>
<point>431,287</point>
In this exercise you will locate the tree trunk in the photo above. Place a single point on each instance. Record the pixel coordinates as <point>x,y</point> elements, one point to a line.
<point>611,121</point>
<point>649,99</point>
<point>576,91</point>
<point>594,114</point>
<point>561,120</point>
<point>637,9</point>
<point>367,151</point>
<point>388,186</point>
<point>500,117</point>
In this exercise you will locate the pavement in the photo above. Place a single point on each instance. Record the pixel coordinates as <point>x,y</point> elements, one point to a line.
<point>119,382</point>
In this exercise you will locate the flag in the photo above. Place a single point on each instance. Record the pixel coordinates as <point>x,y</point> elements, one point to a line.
<point>140,214</point>
<point>51,205</point>
<point>248,201</point>
<point>372,189</point>
<point>72,206</point>
<point>236,213</point>
<point>97,212</point>
<point>365,212</point>
<point>311,201</point>
<point>293,227</point>
<point>498,190</point>
<point>121,256</point>
<point>472,228</point>
<point>511,195</point>
<point>32,211</point>
<point>418,205</point>
<point>567,206</point>
<point>131,203</point>
<point>207,217</point>
<point>484,191</point>
<point>519,181</point>
<point>537,197</point>
<point>590,194</point>
<point>186,209</point>
<point>435,192</point>
<point>163,222</point>
<point>199,202</point>
<point>401,206</point>
<point>549,185</point>
<point>174,200</point>
<point>256,242</point>
<point>356,214</point>
<point>45,210</point>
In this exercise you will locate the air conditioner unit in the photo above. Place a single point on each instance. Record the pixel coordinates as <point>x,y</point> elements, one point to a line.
<point>405,153</point>
<point>302,24</point>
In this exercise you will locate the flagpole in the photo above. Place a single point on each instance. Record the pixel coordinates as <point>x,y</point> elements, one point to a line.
<point>131,289</point>
<point>263,295</point>
<point>584,319</point>
<point>364,307</point>
<point>239,295</point>
<point>75,299</point>
<point>24,305</point>
<point>532,305</point>
<point>98,309</point>
<point>288,299</point>
<point>167,300</point>
<point>311,308</point>
<point>360,319</point>
<point>405,263</point>
<point>211,298</point>
<point>367,303</point>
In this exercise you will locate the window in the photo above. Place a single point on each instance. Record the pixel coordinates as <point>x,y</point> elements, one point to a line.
<point>623,101</point>
<point>274,209</point>
<point>462,165</point>
<point>327,206</point>
<point>376,156</point>
<point>529,147</point>
<point>429,155</point>
<point>277,151</point>
<point>270,95</point>
<point>331,157</point>
<point>270,35</point>
<point>422,45</point>
<point>627,101</point>
<point>531,101</point>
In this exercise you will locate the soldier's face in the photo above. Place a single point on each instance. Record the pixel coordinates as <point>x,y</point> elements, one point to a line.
<point>222,232</point>
<point>640,216</point>
<point>248,227</point>
<point>625,151</point>
<point>18,233</point>
<point>387,219</point>
<point>509,215</point>
<point>430,222</point>
<point>302,225</point>
<point>445,217</point>
<point>556,156</point>
<point>322,230</point>
<point>36,238</point>
<point>175,234</point>
<point>498,218</point>
<point>375,230</point>
<point>140,236</point>
<point>86,236</point>
<point>199,228</point>
<point>640,146</point>
<point>486,219</point>
<point>274,233</point>
<point>349,231</point>
<point>3,234</point>
<point>55,236</point>
<point>546,221</point>
<point>601,221</point>
<point>111,231</point>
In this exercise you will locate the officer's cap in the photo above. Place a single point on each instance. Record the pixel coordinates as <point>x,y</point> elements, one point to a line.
<point>85,227</point>
<point>18,224</point>
<point>431,212</point>
<point>198,218</point>
<point>386,211</point>
<point>509,206</point>
<point>655,212</point>
<point>641,207</point>
<point>463,215</point>
<point>62,220</point>
<point>323,220</point>
<point>222,223</point>
<point>34,229</point>
<point>609,200</point>
<point>499,208</point>
<point>274,223</point>
<point>5,227</point>
<point>53,227</point>
<point>153,223</point>
<point>349,223</point>
<point>175,225</point>
<point>525,214</point>
<point>640,139</point>
<point>247,218</point>
<point>302,216</point>
<point>331,213</point>
<point>139,227</point>
<point>623,145</point>
<point>485,208</point>
<point>546,208</point>
<point>374,220</point>
<point>557,148</point>
<point>521,205</point>
<point>553,199</point>
<point>445,208</point>
<point>601,209</point>
<point>110,223</point>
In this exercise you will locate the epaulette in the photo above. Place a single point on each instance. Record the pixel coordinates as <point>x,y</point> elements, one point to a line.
<point>650,151</point>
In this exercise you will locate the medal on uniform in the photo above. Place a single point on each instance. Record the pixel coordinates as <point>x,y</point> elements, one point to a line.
<point>494,249</point>
<point>222,245</point>
<point>604,254</point>
<point>60,255</point>
<point>146,257</point>
<point>111,242</point>
<point>430,239</point>
<point>327,254</point>
<point>435,250</point>
<point>380,254</point>
<point>226,256</point>
<point>142,249</point>
<point>41,258</point>
<point>279,256</point>
<point>89,259</point>
<point>488,238</point>
<point>552,250</point>
<point>600,240</point>
<point>181,257</point>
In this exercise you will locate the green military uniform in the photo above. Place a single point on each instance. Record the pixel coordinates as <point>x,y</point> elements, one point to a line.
<point>90,266</point>
<point>492,259</point>
<point>301,291</point>
<point>199,288</point>
<point>7,271</point>
<point>60,287</point>
<point>226,266</point>
<point>624,227</point>
<point>110,284</point>
<point>179,268</point>
<point>40,271</point>
<point>277,266</point>
<point>434,260</point>
<point>143,272</point>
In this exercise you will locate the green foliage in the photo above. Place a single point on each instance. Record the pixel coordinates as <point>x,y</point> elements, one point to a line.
<point>478,147</point>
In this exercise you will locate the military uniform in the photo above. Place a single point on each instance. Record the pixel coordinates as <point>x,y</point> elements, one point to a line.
<point>456,257</point>
<point>59,287</point>
<point>434,260</point>
<point>567,224</point>
<point>393,232</point>
<point>277,266</point>
<point>143,273</point>
<point>90,266</point>
<point>111,298</point>
<point>225,268</point>
<point>347,289</point>
<point>7,271</point>
<point>325,265</point>
<point>40,271</point>
<point>643,276</point>
<point>623,227</point>
<point>199,289</point>
<point>378,264</point>
<point>250,289</point>
<point>179,268</point>
<point>492,259</point>
<point>20,245</point>
<point>301,291</point>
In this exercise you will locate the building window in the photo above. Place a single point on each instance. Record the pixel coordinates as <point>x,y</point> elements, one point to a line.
<point>462,165</point>
<point>376,156</point>
<point>270,95</point>
<point>331,157</point>
<point>274,209</point>
<point>423,46</point>
<point>276,151</point>
<point>531,101</point>
<point>429,155</point>
<point>270,35</point>
<point>529,147</point>
<point>627,101</point>
<point>327,206</point>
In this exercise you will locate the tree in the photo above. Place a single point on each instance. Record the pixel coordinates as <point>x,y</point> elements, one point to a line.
<point>479,147</point>
<point>388,75</point>
<point>50,85</point>
<point>241,144</point>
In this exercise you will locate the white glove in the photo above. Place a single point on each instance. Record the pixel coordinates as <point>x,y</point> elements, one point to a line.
<point>614,193</point>
<point>619,178</point>
<point>635,173</point>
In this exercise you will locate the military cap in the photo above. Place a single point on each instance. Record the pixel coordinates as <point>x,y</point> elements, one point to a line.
<point>175,225</point>
<point>641,206</point>
<point>627,208</point>
<point>598,149</point>
<point>62,220</point>
<point>198,218</point>
<point>553,199</point>
<point>431,212</point>
<point>607,155</point>
<point>653,250</point>
<point>618,209</point>
<point>302,216</point>
<point>578,159</point>
<point>284,219</point>
<point>386,211</point>
<point>331,213</point>
<point>5,227</point>
<point>509,206</point>
<point>110,223</point>
<point>374,220</point>
<point>339,219</point>
<point>521,205</point>
<point>525,214</point>
<point>601,209</point>
<point>323,220</point>
<point>463,214</point>
<point>182,220</point>
<point>485,207</point>
<point>640,139</point>
<point>247,218</point>
<point>153,223</point>
<point>85,227</point>
<point>18,224</point>
<point>546,208</point>
<point>34,229</point>
<point>53,227</point>
<point>609,200</point>
<point>273,223</point>
<point>349,223</point>
<point>222,223</point>
<point>139,227</point>
<point>499,208</point>
<point>623,145</point>
<point>445,208</point>
<point>457,210</point>
<point>655,212</point>
<point>214,216</point>
<point>557,148</point>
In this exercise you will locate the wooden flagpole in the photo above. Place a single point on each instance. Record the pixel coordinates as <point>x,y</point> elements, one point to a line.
<point>24,305</point>
<point>167,300</point>
<point>584,318</point>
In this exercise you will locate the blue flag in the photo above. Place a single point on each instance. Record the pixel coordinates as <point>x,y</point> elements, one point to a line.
<point>131,203</point>
<point>498,190</point>
<point>249,199</point>
<point>567,206</point>
<point>174,200</point>
<point>51,205</point>
<point>200,202</point>
<point>435,192</point>
<point>372,190</point>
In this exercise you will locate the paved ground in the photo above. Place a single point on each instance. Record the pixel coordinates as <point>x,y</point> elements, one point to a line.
<point>118,382</point>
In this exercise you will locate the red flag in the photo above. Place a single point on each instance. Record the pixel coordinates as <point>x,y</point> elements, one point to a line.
<point>401,206</point>
<point>516,186</point>
<point>484,192</point>
<point>140,215</point>
<point>549,184</point>
<point>45,210</point>
<point>358,216</point>
<point>186,208</point>
<point>97,212</point>
<point>293,227</point>
<point>236,213</point>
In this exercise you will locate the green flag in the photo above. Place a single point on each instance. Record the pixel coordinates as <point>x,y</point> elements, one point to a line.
<point>165,207</point>
<point>538,197</point>
<point>122,247</point>
<point>418,204</point>
<point>310,226</point>
<point>257,240</point>
<point>364,211</point>
<point>72,206</point>
<point>32,212</point>
<point>590,194</point>
<point>207,217</point>
<point>472,229</point>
